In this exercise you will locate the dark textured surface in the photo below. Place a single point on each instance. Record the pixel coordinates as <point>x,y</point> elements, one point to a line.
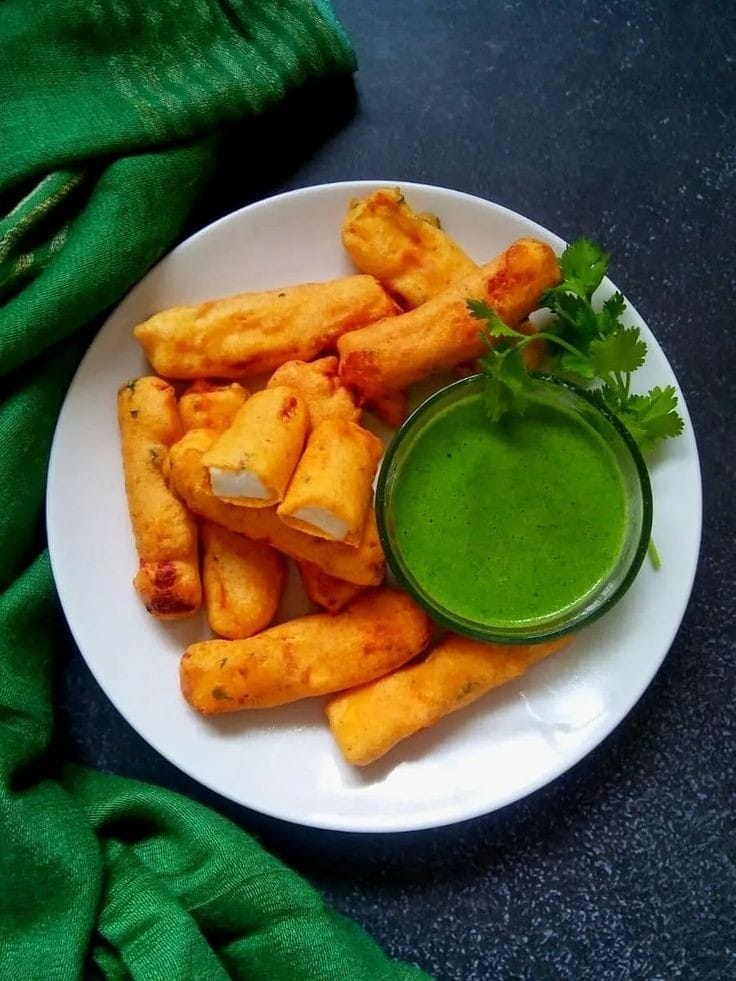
<point>614,120</point>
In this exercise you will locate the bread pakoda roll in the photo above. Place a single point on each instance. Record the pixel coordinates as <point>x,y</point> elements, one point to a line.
<point>441,333</point>
<point>253,333</point>
<point>243,582</point>
<point>407,252</point>
<point>208,406</point>
<point>370,720</point>
<point>252,462</point>
<point>332,487</point>
<point>320,386</point>
<point>326,591</point>
<point>313,655</point>
<point>364,565</point>
<point>165,532</point>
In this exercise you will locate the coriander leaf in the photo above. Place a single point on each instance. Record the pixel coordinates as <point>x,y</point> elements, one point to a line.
<point>515,376</point>
<point>635,430</point>
<point>622,352</point>
<point>656,402</point>
<point>576,316</point>
<point>583,264</point>
<point>507,382</point>
<point>653,416</point>
<point>609,317</point>
<point>498,398</point>
<point>577,364</point>
<point>649,417</point>
<point>608,397</point>
<point>495,327</point>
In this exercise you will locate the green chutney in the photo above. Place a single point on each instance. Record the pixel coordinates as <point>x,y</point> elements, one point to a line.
<point>513,522</point>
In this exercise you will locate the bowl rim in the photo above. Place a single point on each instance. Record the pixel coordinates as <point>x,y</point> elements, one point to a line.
<point>538,634</point>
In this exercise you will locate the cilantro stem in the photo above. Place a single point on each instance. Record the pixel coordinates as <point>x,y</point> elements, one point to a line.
<point>543,335</point>
<point>654,555</point>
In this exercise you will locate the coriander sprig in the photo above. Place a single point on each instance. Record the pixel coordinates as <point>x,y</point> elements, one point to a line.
<point>593,346</point>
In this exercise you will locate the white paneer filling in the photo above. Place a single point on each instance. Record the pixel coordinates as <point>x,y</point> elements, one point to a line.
<point>238,483</point>
<point>323,519</point>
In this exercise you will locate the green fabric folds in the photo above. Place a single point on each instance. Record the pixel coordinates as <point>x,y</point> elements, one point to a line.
<point>109,113</point>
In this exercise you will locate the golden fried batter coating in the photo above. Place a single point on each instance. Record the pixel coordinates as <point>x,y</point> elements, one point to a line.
<point>208,406</point>
<point>313,655</point>
<point>407,252</point>
<point>165,532</point>
<point>253,333</point>
<point>326,591</point>
<point>391,408</point>
<point>320,386</point>
<point>243,582</point>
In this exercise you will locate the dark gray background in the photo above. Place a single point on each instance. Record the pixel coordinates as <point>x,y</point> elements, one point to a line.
<point>613,120</point>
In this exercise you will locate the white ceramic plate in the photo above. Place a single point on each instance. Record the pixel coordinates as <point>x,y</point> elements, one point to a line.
<point>283,762</point>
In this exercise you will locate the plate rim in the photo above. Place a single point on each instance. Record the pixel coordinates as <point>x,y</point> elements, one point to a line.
<point>352,823</point>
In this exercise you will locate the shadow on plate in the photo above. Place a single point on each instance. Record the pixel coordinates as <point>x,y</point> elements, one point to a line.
<point>496,708</point>
<point>449,730</point>
<point>307,714</point>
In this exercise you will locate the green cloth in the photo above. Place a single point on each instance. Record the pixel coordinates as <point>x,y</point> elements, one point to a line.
<point>109,112</point>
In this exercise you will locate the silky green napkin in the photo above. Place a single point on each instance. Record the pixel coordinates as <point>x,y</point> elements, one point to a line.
<point>108,117</point>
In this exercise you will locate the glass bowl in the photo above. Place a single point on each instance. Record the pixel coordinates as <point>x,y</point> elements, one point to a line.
<point>595,601</point>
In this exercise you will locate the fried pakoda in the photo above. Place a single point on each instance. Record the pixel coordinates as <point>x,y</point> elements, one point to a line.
<point>165,532</point>
<point>391,408</point>
<point>208,406</point>
<point>407,252</point>
<point>332,487</point>
<point>243,582</point>
<point>251,463</point>
<point>368,721</point>
<point>254,333</point>
<point>313,655</point>
<point>320,386</point>
<point>326,591</point>
<point>364,565</point>
<point>399,351</point>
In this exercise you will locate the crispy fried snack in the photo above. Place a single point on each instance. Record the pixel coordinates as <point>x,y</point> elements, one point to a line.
<point>407,252</point>
<point>243,582</point>
<point>252,462</point>
<point>208,406</point>
<point>326,591</point>
<point>165,532</point>
<point>332,487</point>
<point>364,565</point>
<point>313,655</point>
<point>321,388</point>
<point>390,407</point>
<point>253,333</point>
<point>396,352</point>
<point>368,721</point>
